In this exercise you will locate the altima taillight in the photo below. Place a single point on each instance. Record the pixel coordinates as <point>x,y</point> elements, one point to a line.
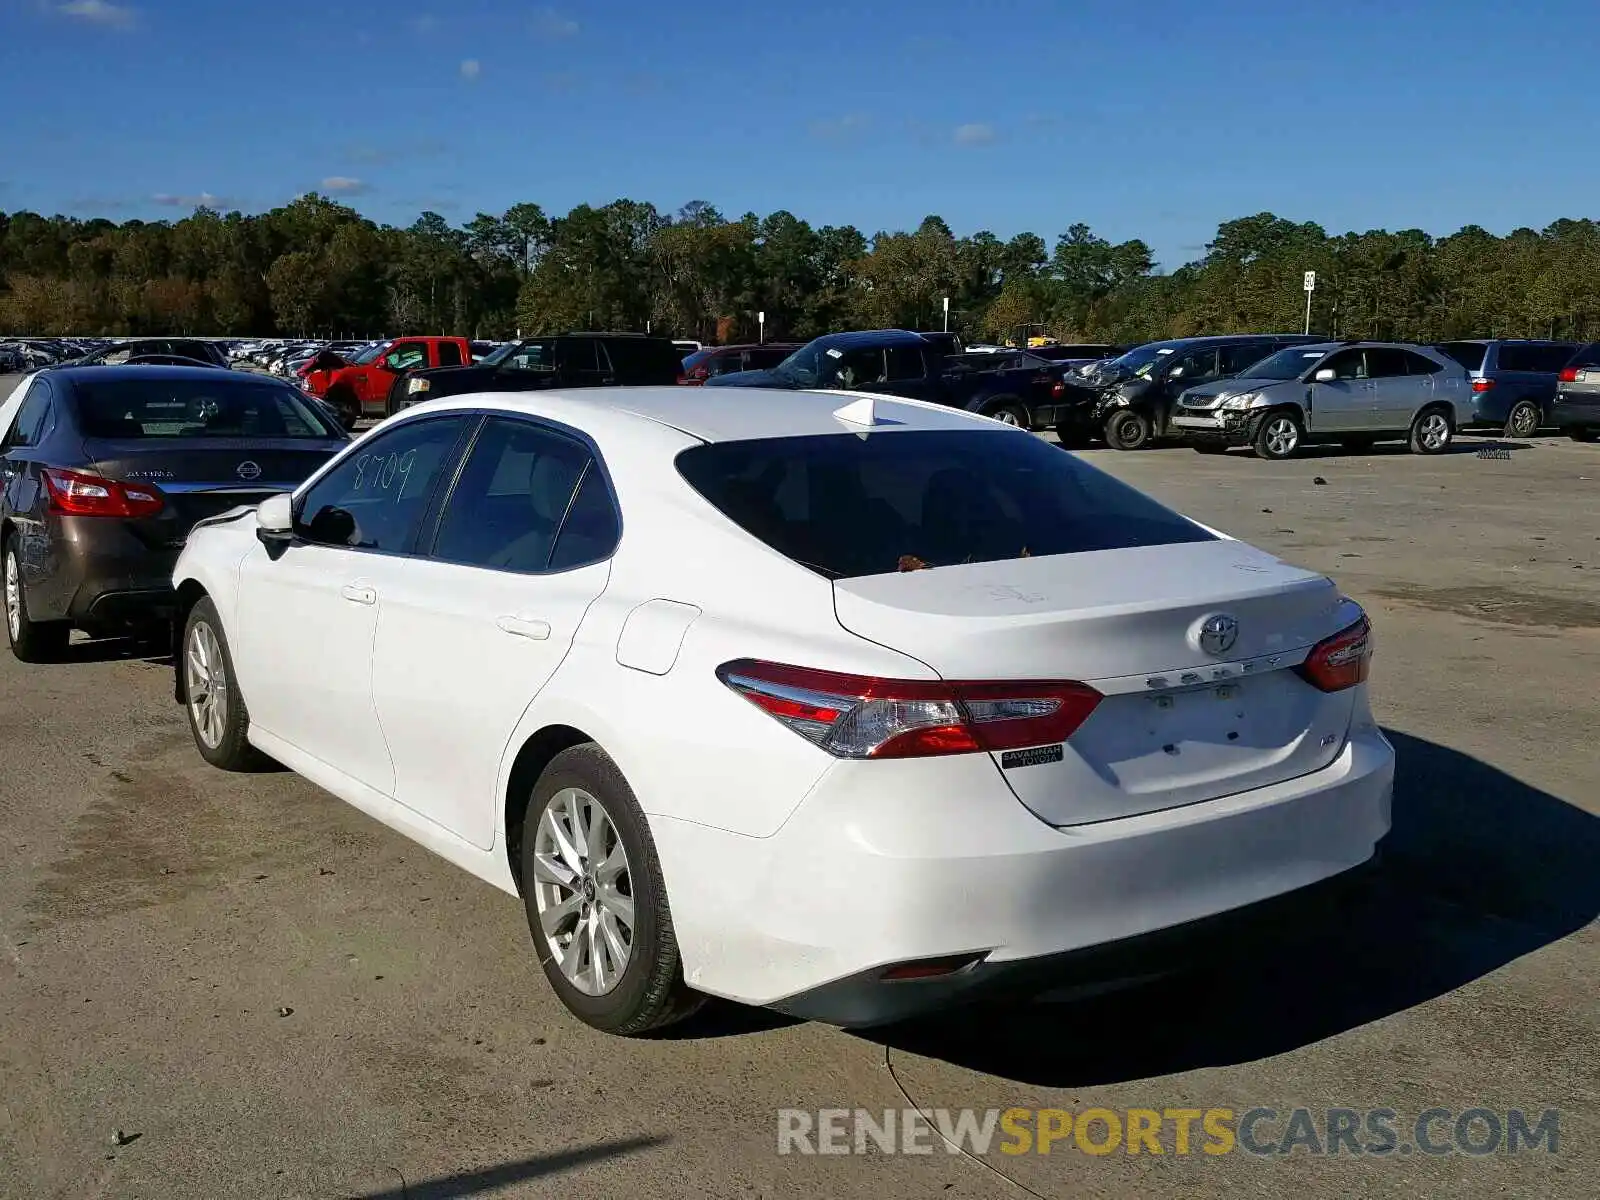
<point>1341,661</point>
<point>80,494</point>
<point>862,716</point>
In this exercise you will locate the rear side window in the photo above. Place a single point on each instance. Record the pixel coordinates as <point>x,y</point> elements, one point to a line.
<point>1236,358</point>
<point>449,354</point>
<point>512,498</point>
<point>1533,356</point>
<point>763,358</point>
<point>32,418</point>
<point>1589,356</point>
<point>1419,364</point>
<point>848,505</point>
<point>1468,354</point>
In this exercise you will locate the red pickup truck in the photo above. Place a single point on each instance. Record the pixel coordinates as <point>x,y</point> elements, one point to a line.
<point>359,386</point>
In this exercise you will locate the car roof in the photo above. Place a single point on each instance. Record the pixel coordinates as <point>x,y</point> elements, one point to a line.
<point>715,414</point>
<point>72,375</point>
<point>873,337</point>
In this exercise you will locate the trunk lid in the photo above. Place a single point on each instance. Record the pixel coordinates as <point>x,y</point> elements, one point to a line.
<point>1177,725</point>
<point>202,477</point>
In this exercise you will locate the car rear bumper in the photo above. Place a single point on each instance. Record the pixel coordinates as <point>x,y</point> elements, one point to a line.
<point>101,574</point>
<point>938,860</point>
<point>1576,411</point>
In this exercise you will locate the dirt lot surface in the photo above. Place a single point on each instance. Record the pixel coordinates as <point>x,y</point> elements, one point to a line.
<point>269,995</point>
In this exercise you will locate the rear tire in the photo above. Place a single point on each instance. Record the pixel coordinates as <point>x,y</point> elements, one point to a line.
<point>31,641</point>
<point>1128,430</point>
<point>1009,412</point>
<point>590,905</point>
<point>1431,432</point>
<point>212,701</point>
<point>1523,420</point>
<point>1279,435</point>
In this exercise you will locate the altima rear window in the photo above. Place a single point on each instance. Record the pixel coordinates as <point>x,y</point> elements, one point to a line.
<point>847,505</point>
<point>125,409</point>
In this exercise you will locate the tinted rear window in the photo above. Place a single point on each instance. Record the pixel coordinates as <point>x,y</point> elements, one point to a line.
<point>645,360</point>
<point>1533,356</point>
<point>1589,356</point>
<point>1468,354</point>
<point>848,505</point>
<point>124,409</point>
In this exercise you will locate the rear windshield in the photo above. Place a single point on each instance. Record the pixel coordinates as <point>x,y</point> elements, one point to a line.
<point>1468,354</point>
<point>848,505</point>
<point>124,409</point>
<point>1587,356</point>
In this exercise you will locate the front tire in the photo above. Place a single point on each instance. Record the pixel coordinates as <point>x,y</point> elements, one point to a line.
<point>346,404</point>
<point>1279,435</point>
<point>215,706</point>
<point>596,899</point>
<point>1523,420</point>
<point>1128,430</point>
<point>31,641</point>
<point>1431,432</point>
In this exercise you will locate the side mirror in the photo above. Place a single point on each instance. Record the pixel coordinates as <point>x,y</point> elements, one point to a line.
<point>275,521</point>
<point>1325,375</point>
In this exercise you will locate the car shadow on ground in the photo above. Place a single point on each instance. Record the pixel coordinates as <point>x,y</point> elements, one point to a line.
<point>494,1179</point>
<point>153,650</point>
<point>1480,869</point>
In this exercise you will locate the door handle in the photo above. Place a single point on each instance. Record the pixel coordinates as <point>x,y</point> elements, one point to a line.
<point>528,627</point>
<point>358,595</point>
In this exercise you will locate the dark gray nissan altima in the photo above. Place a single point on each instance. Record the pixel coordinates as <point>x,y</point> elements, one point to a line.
<point>105,469</point>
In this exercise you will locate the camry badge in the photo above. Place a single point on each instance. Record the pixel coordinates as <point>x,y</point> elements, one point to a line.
<point>1216,634</point>
<point>249,470</point>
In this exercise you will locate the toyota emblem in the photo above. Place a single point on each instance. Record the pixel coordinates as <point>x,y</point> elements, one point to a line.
<point>249,470</point>
<point>1217,633</point>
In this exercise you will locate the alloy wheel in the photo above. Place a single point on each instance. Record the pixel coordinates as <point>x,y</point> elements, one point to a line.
<point>583,891</point>
<point>1524,421</point>
<point>206,685</point>
<point>13,587</point>
<point>1434,431</point>
<point>1006,417</point>
<point>1282,436</point>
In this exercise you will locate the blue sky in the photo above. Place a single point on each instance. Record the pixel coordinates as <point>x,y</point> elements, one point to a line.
<point>1142,118</point>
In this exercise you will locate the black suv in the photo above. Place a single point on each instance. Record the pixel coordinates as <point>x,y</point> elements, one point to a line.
<point>561,360</point>
<point>1134,394</point>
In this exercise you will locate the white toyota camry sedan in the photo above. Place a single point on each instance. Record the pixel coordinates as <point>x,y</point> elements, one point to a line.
<point>849,711</point>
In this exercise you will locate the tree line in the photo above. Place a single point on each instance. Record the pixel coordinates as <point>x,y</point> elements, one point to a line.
<point>317,267</point>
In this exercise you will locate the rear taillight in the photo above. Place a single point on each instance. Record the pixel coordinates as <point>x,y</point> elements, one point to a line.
<point>697,375</point>
<point>1341,661</point>
<point>1058,389</point>
<point>859,716</point>
<point>79,494</point>
<point>1568,375</point>
<point>1482,385</point>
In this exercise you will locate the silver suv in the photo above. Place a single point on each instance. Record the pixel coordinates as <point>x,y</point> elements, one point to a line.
<point>1352,393</point>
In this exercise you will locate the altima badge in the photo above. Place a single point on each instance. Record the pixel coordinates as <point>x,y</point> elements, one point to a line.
<point>1216,634</point>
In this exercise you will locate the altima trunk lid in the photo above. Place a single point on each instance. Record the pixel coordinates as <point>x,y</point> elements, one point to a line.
<point>1185,718</point>
<point>201,477</point>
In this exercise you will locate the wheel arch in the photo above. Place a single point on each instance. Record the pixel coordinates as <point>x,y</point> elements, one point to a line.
<point>190,592</point>
<point>535,754</point>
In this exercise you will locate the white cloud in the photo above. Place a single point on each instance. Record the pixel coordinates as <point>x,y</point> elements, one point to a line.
<point>345,184</point>
<point>839,127</point>
<point>98,12</point>
<point>203,200</point>
<point>471,68</point>
<point>974,134</point>
<point>551,24</point>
